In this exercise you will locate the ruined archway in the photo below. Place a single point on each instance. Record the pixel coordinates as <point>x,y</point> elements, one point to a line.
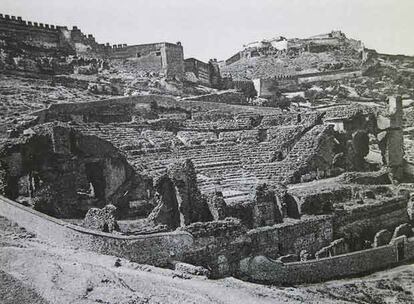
<point>63,172</point>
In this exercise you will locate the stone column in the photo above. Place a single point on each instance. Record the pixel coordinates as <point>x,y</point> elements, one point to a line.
<point>395,139</point>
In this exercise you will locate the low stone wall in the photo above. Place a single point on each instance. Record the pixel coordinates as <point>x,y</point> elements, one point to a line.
<point>155,249</point>
<point>328,76</point>
<point>229,97</point>
<point>265,270</point>
<point>121,109</point>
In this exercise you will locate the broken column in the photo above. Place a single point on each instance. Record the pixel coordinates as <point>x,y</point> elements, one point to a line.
<point>395,140</point>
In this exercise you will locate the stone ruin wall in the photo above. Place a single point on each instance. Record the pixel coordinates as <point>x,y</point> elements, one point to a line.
<point>80,162</point>
<point>223,252</point>
<point>264,270</point>
<point>365,221</point>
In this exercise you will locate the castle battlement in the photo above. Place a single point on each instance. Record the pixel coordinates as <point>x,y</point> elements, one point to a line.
<point>18,23</point>
<point>74,41</point>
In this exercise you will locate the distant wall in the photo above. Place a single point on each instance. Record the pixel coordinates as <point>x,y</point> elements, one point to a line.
<point>166,58</point>
<point>105,111</point>
<point>36,34</point>
<point>263,87</point>
<point>155,249</point>
<point>229,96</point>
<point>122,109</point>
<point>147,56</point>
<point>174,57</point>
<point>262,269</point>
<point>48,37</point>
<point>329,76</point>
<point>236,57</point>
<point>199,68</point>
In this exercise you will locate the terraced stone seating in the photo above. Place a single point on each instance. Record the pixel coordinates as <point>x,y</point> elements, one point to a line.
<point>191,138</point>
<point>347,111</point>
<point>231,154</point>
<point>219,125</point>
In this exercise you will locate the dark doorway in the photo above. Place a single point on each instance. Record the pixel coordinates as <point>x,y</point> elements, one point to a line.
<point>400,251</point>
<point>94,173</point>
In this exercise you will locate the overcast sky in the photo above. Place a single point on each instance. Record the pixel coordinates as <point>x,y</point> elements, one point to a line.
<point>219,28</point>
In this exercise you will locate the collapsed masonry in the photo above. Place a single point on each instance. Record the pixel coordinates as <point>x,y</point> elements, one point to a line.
<point>244,181</point>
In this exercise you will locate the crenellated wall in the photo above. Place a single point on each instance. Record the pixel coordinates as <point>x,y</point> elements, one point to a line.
<point>34,33</point>
<point>15,30</point>
<point>166,58</point>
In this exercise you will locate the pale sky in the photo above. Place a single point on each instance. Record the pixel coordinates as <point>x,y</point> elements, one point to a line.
<point>218,28</point>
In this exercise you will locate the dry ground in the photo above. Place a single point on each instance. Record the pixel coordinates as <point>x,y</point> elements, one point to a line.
<point>33,271</point>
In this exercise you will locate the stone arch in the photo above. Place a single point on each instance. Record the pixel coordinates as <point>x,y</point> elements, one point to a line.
<point>59,164</point>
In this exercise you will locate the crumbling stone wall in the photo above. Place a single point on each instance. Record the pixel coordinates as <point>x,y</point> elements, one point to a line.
<point>310,234</point>
<point>363,221</point>
<point>267,209</point>
<point>336,247</point>
<point>166,211</point>
<point>63,172</point>
<point>192,205</point>
<point>218,245</point>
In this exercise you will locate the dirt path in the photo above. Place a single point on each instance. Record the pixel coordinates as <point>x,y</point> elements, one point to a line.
<point>32,269</point>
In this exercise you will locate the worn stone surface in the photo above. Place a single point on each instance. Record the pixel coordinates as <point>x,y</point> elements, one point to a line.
<point>101,219</point>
